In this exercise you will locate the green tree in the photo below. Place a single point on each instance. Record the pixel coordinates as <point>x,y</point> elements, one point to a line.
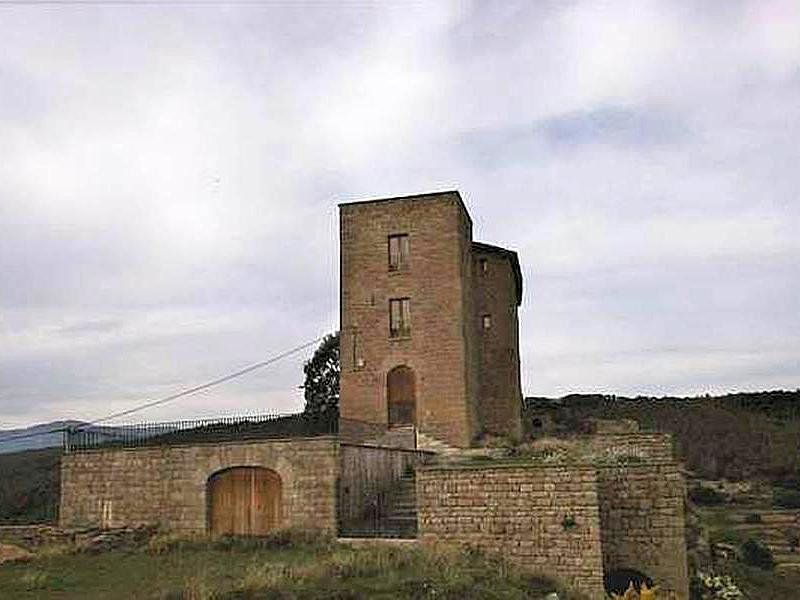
<point>322,377</point>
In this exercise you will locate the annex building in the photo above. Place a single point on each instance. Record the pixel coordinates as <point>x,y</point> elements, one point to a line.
<point>430,386</point>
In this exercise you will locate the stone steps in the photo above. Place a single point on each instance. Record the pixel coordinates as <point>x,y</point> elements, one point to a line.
<point>396,437</point>
<point>432,444</point>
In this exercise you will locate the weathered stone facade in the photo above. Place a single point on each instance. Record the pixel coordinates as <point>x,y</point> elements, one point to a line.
<point>462,345</point>
<point>167,485</point>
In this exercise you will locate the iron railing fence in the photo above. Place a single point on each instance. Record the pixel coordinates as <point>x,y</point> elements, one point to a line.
<point>225,429</point>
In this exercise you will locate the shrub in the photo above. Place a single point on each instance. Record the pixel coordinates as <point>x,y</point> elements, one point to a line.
<point>707,586</point>
<point>706,496</point>
<point>35,580</point>
<point>792,482</point>
<point>756,554</point>
<point>197,588</point>
<point>753,518</point>
<point>258,576</point>
<point>786,498</point>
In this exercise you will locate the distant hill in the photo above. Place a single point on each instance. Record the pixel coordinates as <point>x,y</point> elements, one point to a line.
<point>750,435</point>
<point>34,437</point>
<point>51,435</point>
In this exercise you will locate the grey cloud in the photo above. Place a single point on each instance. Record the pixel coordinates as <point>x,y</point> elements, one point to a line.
<point>90,327</point>
<point>169,176</point>
<point>616,126</point>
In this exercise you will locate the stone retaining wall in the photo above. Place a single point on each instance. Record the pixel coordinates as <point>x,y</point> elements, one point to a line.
<point>166,486</point>
<point>642,522</point>
<point>625,516</point>
<point>546,519</point>
<point>645,446</point>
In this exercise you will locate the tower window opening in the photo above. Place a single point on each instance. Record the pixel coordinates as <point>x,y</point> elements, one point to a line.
<point>399,317</point>
<point>398,252</point>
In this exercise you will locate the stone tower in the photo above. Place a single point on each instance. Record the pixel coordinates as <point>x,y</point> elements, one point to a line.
<point>429,330</point>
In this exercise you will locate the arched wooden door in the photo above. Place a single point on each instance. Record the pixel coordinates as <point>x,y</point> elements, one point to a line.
<point>401,396</point>
<point>244,501</point>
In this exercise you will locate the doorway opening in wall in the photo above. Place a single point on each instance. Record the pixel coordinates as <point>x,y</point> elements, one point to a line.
<point>401,396</point>
<point>244,501</point>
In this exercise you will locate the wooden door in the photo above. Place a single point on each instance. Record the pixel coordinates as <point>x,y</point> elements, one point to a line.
<point>244,501</point>
<point>401,396</point>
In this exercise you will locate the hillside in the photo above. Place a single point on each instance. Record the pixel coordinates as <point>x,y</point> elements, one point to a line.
<point>738,436</point>
<point>29,486</point>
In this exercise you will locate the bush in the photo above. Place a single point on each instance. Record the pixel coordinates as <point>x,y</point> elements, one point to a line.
<point>708,586</point>
<point>792,482</point>
<point>706,496</point>
<point>35,580</point>
<point>756,554</point>
<point>753,518</point>
<point>786,498</point>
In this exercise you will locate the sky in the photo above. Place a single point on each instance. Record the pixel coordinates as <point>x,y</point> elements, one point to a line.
<point>169,176</point>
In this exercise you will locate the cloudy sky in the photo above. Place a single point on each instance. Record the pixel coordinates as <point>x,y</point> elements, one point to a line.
<point>169,176</point>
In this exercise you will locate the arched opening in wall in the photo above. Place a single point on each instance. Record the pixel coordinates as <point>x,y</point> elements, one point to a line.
<point>401,396</point>
<point>617,581</point>
<point>244,501</point>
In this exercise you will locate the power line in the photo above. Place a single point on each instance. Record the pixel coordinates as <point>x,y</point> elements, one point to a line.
<point>201,387</point>
<point>171,397</point>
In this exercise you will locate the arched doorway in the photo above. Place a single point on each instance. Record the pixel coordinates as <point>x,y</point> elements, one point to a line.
<point>616,581</point>
<point>401,396</point>
<point>244,501</point>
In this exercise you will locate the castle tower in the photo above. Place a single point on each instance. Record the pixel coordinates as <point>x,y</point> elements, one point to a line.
<point>429,332</point>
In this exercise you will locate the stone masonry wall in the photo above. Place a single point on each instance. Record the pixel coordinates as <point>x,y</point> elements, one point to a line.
<point>642,519</point>
<point>645,446</point>
<point>495,295</point>
<point>439,235</point>
<point>518,512</point>
<point>167,485</point>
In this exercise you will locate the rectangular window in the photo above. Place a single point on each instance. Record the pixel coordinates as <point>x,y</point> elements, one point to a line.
<point>484,264</point>
<point>398,252</point>
<point>487,321</point>
<point>399,317</point>
<point>358,362</point>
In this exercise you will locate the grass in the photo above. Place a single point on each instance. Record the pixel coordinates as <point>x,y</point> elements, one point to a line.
<point>281,567</point>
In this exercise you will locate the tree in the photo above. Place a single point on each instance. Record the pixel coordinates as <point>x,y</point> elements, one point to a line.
<point>322,377</point>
